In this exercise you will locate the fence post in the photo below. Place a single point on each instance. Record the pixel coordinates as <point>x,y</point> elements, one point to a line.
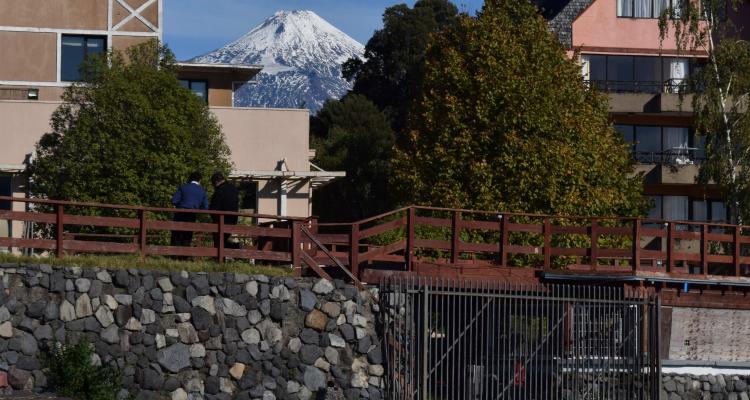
<point>221,239</point>
<point>503,240</point>
<point>354,250</point>
<point>594,243</point>
<point>142,233</point>
<point>670,238</point>
<point>409,255</point>
<point>636,244</point>
<point>547,231</point>
<point>455,237</point>
<point>737,248</point>
<point>59,229</point>
<point>296,248</point>
<point>704,249</point>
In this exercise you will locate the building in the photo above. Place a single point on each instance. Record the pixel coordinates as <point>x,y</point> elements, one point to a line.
<point>43,42</point>
<point>621,54</point>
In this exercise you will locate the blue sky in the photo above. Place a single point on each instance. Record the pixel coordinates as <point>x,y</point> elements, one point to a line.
<point>194,27</point>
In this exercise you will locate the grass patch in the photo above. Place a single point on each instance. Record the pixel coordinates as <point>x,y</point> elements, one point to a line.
<point>150,262</point>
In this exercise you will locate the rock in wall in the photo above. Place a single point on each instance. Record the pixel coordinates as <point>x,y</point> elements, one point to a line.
<point>186,335</point>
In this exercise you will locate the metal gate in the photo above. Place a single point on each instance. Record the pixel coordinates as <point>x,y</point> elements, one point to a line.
<point>474,340</point>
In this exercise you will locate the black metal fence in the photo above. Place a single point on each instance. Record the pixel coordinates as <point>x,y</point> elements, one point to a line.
<point>477,340</point>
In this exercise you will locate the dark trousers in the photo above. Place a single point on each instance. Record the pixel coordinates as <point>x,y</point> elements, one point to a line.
<point>182,238</point>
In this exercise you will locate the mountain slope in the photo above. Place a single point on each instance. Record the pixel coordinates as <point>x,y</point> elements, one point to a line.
<point>301,54</point>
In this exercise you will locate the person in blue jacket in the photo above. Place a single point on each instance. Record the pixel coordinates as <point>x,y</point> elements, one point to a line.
<point>190,196</point>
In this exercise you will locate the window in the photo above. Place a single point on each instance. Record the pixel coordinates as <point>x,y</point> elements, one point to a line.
<point>75,50</point>
<point>199,88</point>
<point>672,145</point>
<point>684,208</point>
<point>642,74</point>
<point>646,8</point>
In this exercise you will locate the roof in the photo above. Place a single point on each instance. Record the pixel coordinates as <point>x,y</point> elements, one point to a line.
<point>560,15</point>
<point>244,71</point>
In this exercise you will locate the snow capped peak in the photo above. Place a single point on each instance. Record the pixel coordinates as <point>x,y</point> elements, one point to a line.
<point>296,44</point>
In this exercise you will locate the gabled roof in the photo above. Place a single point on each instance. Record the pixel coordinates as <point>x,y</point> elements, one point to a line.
<point>560,15</point>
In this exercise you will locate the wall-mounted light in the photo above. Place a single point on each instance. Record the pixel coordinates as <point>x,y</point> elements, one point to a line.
<point>32,94</point>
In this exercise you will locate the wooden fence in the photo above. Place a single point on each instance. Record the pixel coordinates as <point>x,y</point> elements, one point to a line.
<point>437,241</point>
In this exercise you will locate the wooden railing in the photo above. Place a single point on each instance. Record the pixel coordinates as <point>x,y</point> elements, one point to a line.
<point>63,227</point>
<point>446,242</point>
<point>452,242</point>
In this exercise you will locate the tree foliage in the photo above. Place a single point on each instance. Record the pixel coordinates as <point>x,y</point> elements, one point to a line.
<point>128,134</point>
<point>352,135</point>
<point>506,123</point>
<point>391,75</point>
<point>720,94</point>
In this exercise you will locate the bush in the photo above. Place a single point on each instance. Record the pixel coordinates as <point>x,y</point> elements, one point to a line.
<point>72,372</point>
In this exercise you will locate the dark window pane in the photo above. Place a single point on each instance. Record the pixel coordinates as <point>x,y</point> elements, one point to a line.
<point>200,89</point>
<point>75,49</point>
<point>655,211</point>
<point>597,67</point>
<point>185,83</point>
<point>648,140</point>
<point>627,132</point>
<point>620,73</point>
<point>718,211</point>
<point>72,55</point>
<point>648,74</point>
<point>5,190</point>
<point>675,208</point>
<point>699,211</point>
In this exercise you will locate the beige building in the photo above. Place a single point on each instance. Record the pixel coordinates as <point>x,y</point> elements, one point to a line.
<point>43,43</point>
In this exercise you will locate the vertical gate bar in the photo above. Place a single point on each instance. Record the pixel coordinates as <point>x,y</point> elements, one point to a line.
<point>657,343</point>
<point>295,244</point>
<point>425,339</point>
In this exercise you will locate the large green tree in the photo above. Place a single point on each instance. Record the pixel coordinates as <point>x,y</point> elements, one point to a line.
<point>352,135</point>
<point>391,74</point>
<point>127,134</point>
<point>506,123</point>
<point>720,89</point>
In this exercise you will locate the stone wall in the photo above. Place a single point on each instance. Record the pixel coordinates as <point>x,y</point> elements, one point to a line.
<point>704,387</point>
<point>195,335</point>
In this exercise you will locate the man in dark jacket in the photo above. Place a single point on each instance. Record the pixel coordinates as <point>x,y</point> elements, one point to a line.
<point>190,196</point>
<point>225,198</point>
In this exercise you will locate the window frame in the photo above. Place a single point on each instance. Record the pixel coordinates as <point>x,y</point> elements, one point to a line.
<point>190,86</point>
<point>105,47</point>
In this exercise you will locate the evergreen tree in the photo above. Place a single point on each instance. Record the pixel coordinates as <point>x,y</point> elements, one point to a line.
<point>392,73</point>
<point>128,134</point>
<point>352,135</point>
<point>505,123</point>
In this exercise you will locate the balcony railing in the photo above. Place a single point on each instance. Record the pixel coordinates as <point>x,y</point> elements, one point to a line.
<point>673,157</point>
<point>672,86</point>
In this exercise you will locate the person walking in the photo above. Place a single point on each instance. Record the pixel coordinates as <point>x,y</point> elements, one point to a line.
<point>190,196</point>
<point>224,198</point>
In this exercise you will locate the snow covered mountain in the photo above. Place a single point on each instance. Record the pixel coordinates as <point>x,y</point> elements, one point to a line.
<point>301,54</point>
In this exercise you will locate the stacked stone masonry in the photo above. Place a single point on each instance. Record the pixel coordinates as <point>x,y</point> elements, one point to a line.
<point>186,335</point>
<point>705,387</point>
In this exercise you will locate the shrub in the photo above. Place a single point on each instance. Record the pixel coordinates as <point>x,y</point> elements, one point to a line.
<point>72,372</point>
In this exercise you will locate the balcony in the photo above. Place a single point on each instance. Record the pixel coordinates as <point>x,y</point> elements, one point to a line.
<point>679,166</point>
<point>650,97</point>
